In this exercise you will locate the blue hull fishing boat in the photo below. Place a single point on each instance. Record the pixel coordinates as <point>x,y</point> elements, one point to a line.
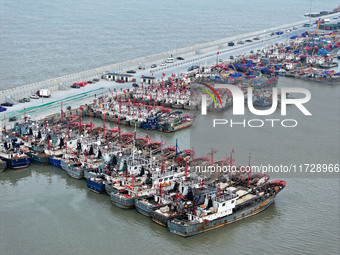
<point>96,184</point>
<point>16,161</point>
<point>54,161</point>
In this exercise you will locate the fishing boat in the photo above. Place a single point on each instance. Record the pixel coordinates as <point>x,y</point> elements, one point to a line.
<point>169,212</point>
<point>75,171</point>
<point>64,163</point>
<point>191,106</point>
<point>55,160</point>
<point>147,205</point>
<point>73,168</point>
<point>114,185</point>
<point>39,157</point>
<point>96,184</point>
<point>150,123</point>
<point>174,121</point>
<point>126,199</point>
<point>15,160</point>
<point>166,183</point>
<point>92,173</point>
<point>225,209</point>
<point>137,185</point>
<point>177,203</point>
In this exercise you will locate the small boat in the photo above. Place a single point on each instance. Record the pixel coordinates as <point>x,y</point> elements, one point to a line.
<point>327,65</point>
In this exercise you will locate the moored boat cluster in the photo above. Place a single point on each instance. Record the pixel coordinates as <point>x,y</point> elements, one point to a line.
<point>136,172</point>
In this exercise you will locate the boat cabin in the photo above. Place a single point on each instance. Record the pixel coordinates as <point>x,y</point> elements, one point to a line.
<point>214,208</point>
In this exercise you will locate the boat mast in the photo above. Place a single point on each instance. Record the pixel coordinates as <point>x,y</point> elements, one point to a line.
<point>61,110</point>
<point>186,171</point>
<point>104,126</point>
<point>134,147</point>
<point>249,170</point>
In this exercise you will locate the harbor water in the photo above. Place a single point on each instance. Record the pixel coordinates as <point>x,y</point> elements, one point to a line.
<point>44,211</point>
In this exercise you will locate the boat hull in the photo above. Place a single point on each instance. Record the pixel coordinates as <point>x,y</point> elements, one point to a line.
<point>42,159</point>
<point>121,201</point>
<point>64,164</point>
<point>3,166</point>
<point>186,230</point>
<point>75,173</point>
<point>108,188</point>
<point>55,161</point>
<point>161,219</point>
<point>145,209</point>
<point>17,163</point>
<point>95,186</point>
<point>90,174</point>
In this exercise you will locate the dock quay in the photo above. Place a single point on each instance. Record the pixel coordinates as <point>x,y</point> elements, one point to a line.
<point>202,54</point>
<point>271,54</point>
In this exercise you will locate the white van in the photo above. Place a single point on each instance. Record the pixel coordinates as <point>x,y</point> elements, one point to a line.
<point>169,60</point>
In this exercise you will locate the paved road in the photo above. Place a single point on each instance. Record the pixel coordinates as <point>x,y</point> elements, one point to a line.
<point>40,108</point>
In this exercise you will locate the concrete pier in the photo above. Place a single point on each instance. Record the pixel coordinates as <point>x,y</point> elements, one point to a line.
<point>199,54</point>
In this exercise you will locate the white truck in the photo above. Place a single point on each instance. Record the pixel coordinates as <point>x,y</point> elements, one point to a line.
<point>44,93</point>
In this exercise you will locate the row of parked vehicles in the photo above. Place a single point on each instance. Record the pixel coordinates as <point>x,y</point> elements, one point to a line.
<point>78,85</point>
<point>167,61</point>
<point>257,38</point>
<point>37,95</point>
